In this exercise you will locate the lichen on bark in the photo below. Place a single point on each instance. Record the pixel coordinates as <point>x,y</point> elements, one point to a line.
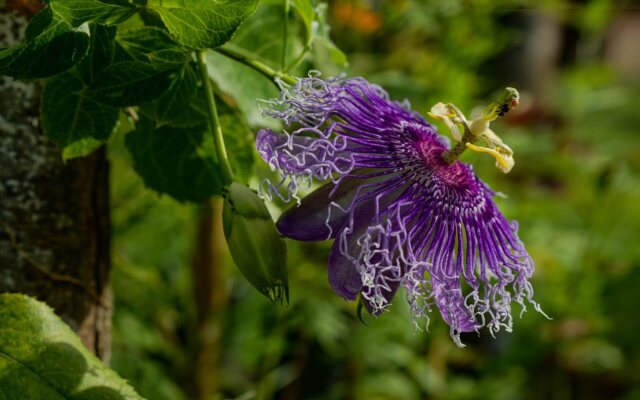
<point>54,221</point>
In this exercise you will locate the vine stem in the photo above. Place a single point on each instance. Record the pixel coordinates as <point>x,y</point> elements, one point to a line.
<point>214,121</point>
<point>257,65</point>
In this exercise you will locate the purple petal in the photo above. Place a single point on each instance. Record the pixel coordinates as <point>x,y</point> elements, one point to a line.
<point>344,278</point>
<point>314,219</point>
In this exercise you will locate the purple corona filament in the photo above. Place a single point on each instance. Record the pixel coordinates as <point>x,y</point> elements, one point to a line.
<point>401,216</point>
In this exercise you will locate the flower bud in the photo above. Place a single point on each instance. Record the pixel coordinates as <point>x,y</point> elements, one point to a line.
<point>254,243</point>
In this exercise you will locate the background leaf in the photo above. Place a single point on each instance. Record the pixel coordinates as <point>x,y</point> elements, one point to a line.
<point>307,13</point>
<point>244,85</point>
<point>41,358</point>
<point>239,140</point>
<point>178,162</point>
<point>261,35</point>
<point>203,23</point>
<point>321,38</point>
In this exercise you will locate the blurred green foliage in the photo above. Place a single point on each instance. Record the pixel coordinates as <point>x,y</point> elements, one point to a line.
<point>575,191</point>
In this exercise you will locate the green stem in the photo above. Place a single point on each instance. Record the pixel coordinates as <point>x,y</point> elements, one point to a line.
<point>285,33</point>
<point>214,121</point>
<point>452,155</point>
<point>257,65</point>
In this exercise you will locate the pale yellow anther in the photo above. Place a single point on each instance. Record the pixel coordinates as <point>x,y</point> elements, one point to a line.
<point>446,114</point>
<point>503,155</point>
<point>495,147</point>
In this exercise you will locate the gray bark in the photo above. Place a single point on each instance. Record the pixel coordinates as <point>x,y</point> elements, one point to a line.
<point>54,221</point>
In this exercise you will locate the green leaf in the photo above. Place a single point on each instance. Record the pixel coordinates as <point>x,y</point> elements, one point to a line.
<point>77,12</point>
<point>306,12</point>
<point>38,24</point>
<point>153,45</point>
<point>321,37</point>
<point>129,83</point>
<point>255,246</point>
<point>183,105</point>
<point>261,35</point>
<point>41,358</point>
<point>179,106</point>
<point>203,24</point>
<point>239,140</point>
<point>139,43</point>
<point>178,162</point>
<point>317,30</point>
<point>168,58</point>
<point>70,117</point>
<point>245,86</point>
<point>101,52</point>
<point>53,47</point>
<point>74,121</point>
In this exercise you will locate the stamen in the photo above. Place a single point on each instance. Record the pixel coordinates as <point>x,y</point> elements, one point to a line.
<point>478,129</point>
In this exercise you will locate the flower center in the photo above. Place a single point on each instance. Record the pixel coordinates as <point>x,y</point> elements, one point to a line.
<point>456,175</point>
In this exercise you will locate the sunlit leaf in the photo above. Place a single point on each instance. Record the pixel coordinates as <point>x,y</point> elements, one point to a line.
<point>41,358</point>
<point>77,12</point>
<point>203,23</point>
<point>244,85</point>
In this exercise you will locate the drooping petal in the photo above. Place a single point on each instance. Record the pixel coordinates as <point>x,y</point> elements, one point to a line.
<point>313,219</point>
<point>344,277</point>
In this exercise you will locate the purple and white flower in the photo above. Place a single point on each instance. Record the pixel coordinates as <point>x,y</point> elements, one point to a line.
<point>400,214</point>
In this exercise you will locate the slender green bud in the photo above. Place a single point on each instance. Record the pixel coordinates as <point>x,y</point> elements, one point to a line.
<point>255,245</point>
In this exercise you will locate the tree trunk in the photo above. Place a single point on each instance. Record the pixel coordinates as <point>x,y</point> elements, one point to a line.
<point>54,221</point>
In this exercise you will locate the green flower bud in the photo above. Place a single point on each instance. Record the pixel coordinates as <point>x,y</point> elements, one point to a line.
<point>254,242</point>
